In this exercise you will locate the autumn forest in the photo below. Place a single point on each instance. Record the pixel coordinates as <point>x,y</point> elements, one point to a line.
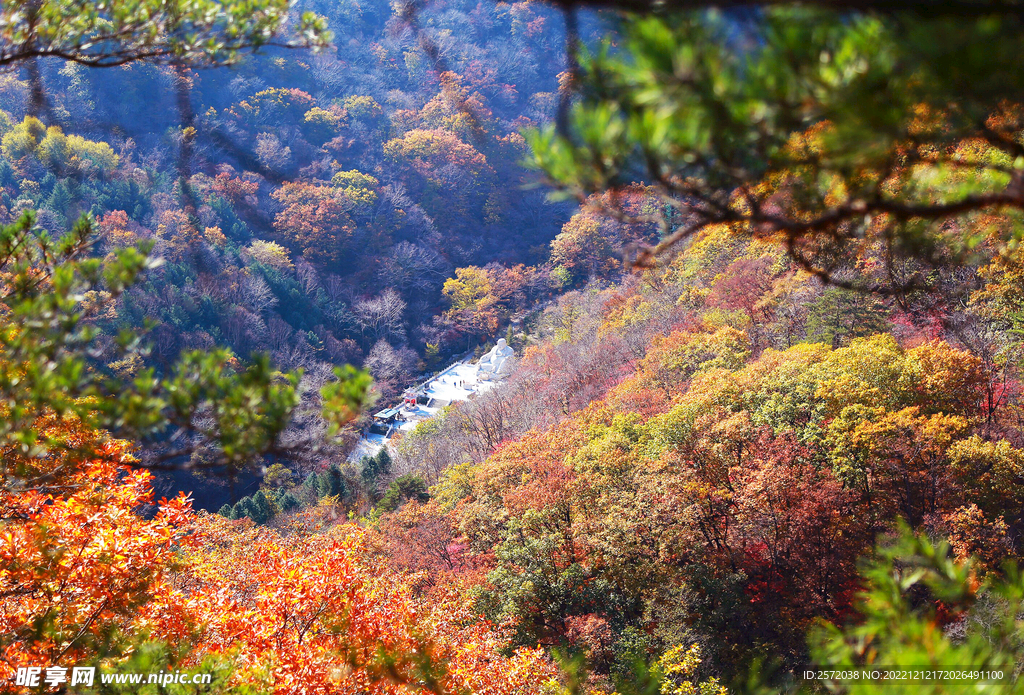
<point>759,264</point>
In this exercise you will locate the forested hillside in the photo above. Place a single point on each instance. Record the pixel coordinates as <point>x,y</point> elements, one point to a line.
<point>307,206</point>
<point>698,460</point>
<point>760,265</point>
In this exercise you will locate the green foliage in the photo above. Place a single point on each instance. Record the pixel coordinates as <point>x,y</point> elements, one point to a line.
<point>837,131</point>
<point>455,484</point>
<point>241,509</point>
<point>235,414</point>
<point>375,467</point>
<point>632,649</point>
<point>260,508</point>
<point>288,502</point>
<point>23,139</point>
<point>331,483</point>
<point>344,397</point>
<point>183,31</point>
<point>406,487</point>
<point>161,658</point>
<point>358,187</point>
<point>838,316</point>
<point>310,483</point>
<point>66,154</point>
<point>676,670</point>
<point>538,584</point>
<point>900,622</point>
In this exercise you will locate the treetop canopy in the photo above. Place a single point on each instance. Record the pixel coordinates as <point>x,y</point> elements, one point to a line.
<point>194,32</point>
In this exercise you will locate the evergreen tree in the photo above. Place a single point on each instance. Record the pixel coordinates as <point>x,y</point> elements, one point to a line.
<point>384,462</point>
<point>288,502</point>
<point>838,316</point>
<point>310,483</point>
<point>260,508</point>
<point>331,483</point>
<point>376,467</point>
<point>225,511</point>
<point>7,177</point>
<point>59,201</point>
<point>406,487</point>
<point>47,183</point>
<point>309,491</point>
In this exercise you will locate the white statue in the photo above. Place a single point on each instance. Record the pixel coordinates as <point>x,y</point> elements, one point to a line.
<point>497,363</point>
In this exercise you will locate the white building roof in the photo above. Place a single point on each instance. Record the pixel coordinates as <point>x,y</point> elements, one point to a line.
<point>459,382</point>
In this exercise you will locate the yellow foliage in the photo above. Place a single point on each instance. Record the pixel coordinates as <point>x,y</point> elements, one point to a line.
<point>55,149</point>
<point>706,254</point>
<point>321,125</point>
<point>99,153</point>
<point>269,253</point>
<point>678,667</point>
<point>468,288</point>
<point>319,116</point>
<point>629,311</point>
<point>24,139</point>
<point>215,236</point>
<point>362,107</point>
<point>357,186</point>
<point>126,367</point>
